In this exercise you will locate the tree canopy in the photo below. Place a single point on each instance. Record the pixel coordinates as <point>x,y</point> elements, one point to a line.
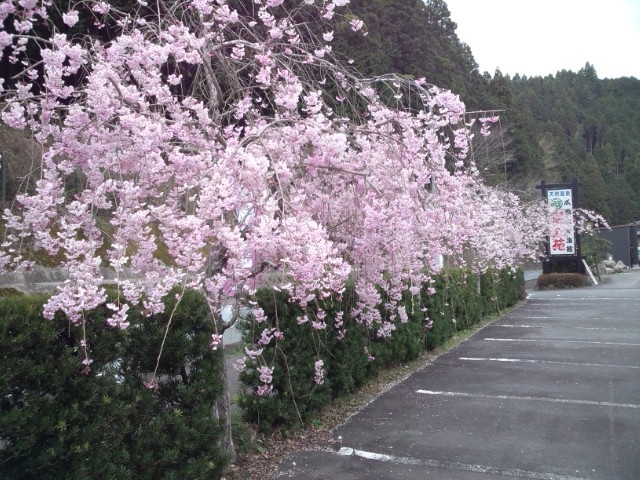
<point>589,129</point>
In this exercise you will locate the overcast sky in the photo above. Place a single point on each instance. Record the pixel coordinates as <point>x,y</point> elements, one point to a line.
<point>542,37</point>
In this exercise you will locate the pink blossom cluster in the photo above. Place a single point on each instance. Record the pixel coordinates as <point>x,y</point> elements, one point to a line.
<point>587,221</point>
<point>266,377</point>
<point>220,150</point>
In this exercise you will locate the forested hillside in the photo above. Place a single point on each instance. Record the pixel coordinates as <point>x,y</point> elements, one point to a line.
<point>557,128</point>
<point>590,129</point>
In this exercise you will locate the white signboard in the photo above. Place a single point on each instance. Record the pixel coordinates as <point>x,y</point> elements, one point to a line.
<point>562,239</point>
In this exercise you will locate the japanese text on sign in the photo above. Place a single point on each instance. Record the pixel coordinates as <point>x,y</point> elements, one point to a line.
<point>561,231</point>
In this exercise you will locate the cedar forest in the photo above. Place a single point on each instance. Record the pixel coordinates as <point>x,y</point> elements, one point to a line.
<point>557,127</point>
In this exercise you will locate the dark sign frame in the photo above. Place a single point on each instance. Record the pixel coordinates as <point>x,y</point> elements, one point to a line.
<point>570,263</point>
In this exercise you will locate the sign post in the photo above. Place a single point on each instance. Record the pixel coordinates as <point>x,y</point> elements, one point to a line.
<point>563,253</point>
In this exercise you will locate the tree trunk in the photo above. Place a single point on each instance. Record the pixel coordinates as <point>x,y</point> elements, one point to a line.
<point>221,412</point>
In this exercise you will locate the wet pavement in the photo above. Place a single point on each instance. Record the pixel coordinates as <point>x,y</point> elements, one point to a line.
<point>550,391</point>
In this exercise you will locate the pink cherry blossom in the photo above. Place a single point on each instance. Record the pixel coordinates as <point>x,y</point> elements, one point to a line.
<point>70,18</point>
<point>356,24</point>
<point>266,374</point>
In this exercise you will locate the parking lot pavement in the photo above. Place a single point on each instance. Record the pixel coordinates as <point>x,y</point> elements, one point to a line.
<point>550,391</point>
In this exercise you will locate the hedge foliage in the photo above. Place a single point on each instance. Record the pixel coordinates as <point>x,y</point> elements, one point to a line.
<point>360,355</point>
<point>562,280</point>
<point>58,423</point>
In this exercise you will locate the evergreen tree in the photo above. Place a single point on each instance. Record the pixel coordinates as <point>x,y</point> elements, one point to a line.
<point>623,202</point>
<point>594,191</point>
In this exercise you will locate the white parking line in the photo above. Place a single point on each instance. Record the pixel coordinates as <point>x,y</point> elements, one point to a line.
<point>548,362</point>
<point>609,329</point>
<point>558,317</point>
<point>564,317</point>
<point>578,299</point>
<point>533,340</point>
<point>529,399</point>
<point>511,472</point>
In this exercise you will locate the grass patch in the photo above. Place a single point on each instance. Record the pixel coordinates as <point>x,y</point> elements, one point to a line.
<point>244,437</point>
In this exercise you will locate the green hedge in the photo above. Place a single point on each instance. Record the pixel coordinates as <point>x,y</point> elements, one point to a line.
<point>296,397</point>
<point>58,423</point>
<point>562,280</point>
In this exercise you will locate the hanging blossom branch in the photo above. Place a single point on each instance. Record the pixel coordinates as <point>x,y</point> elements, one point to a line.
<point>237,145</point>
<point>587,221</point>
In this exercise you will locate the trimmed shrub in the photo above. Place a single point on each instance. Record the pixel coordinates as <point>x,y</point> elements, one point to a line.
<point>501,289</point>
<point>562,280</point>
<point>58,423</point>
<point>465,301</point>
<point>439,311</point>
<point>296,396</point>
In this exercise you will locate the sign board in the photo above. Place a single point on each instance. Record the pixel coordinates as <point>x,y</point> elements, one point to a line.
<point>562,248</point>
<point>562,240</point>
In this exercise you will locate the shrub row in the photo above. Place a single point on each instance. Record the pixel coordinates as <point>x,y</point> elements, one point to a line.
<point>58,423</point>
<point>562,280</point>
<point>358,356</point>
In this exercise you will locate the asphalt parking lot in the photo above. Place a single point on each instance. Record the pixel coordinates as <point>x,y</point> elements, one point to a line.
<point>550,391</point>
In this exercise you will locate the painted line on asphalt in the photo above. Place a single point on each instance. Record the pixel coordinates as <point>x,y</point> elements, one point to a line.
<point>560,316</point>
<point>467,467</point>
<point>553,302</point>
<point>609,329</point>
<point>575,299</point>
<point>547,362</point>
<point>528,399</point>
<point>547,340</point>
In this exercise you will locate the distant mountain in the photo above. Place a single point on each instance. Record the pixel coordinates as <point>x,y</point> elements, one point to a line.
<point>557,127</point>
<point>589,129</point>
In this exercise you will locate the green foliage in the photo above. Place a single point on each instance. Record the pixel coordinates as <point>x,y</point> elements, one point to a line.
<point>417,38</point>
<point>243,436</point>
<point>18,159</point>
<point>58,423</point>
<point>439,311</point>
<point>501,289</point>
<point>594,249</point>
<point>450,302</point>
<point>589,129</point>
<point>296,395</point>
<point>557,127</point>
